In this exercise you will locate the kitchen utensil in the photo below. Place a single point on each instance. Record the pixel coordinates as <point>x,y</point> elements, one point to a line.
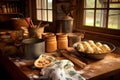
<point>72,58</point>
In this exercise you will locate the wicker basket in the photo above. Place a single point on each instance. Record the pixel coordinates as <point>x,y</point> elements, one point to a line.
<point>17,23</point>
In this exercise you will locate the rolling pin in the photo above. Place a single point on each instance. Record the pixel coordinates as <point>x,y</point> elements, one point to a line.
<point>73,59</point>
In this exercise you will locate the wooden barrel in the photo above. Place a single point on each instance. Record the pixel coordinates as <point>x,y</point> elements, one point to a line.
<point>62,41</point>
<point>50,43</point>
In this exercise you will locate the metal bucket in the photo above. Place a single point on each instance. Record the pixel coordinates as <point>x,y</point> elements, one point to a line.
<point>67,24</point>
<point>33,47</point>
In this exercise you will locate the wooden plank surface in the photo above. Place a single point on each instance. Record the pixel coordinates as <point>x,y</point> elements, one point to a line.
<point>93,69</point>
<point>110,63</point>
<point>109,66</point>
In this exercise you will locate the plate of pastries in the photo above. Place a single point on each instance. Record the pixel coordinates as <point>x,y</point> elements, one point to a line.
<point>94,49</point>
<point>43,61</point>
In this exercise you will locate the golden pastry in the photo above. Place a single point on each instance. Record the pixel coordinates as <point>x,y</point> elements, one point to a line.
<point>44,61</point>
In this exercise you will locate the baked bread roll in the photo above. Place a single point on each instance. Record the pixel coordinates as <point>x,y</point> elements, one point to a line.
<point>105,48</point>
<point>98,44</point>
<point>88,47</point>
<point>85,44</point>
<point>98,50</point>
<point>92,44</point>
<point>80,47</point>
<point>91,47</point>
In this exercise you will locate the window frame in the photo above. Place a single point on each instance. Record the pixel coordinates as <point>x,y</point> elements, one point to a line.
<point>46,9</point>
<point>80,22</point>
<point>33,13</point>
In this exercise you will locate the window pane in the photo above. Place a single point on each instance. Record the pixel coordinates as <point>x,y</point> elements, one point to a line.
<point>39,17</point>
<point>90,3</point>
<point>101,18</point>
<point>44,15</point>
<point>98,18</point>
<point>99,4</point>
<point>102,3</point>
<point>89,17</point>
<point>49,4</point>
<point>114,19</point>
<point>50,15</point>
<point>38,4</point>
<point>115,5</point>
<point>44,4</point>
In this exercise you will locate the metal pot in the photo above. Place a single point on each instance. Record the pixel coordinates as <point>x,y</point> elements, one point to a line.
<point>33,47</point>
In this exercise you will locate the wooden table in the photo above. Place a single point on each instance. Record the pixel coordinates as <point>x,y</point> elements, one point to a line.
<point>105,69</point>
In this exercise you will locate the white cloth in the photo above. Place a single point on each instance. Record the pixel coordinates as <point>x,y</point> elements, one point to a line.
<point>61,70</point>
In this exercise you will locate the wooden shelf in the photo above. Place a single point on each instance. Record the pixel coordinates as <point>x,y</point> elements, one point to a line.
<point>10,6</point>
<point>10,13</point>
<point>8,0</point>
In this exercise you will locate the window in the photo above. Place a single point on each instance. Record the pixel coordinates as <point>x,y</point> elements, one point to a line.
<point>102,13</point>
<point>44,10</point>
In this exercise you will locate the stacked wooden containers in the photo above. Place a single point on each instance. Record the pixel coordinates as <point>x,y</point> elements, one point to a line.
<point>56,41</point>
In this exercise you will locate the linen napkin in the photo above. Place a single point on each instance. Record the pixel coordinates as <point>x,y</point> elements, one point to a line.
<point>61,70</point>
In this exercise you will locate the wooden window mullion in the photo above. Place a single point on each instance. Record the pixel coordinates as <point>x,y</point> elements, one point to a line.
<point>41,10</point>
<point>47,9</point>
<point>84,12</point>
<point>95,13</point>
<point>107,14</point>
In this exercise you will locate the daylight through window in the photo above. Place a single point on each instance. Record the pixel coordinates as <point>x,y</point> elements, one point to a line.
<point>44,10</point>
<point>102,13</point>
